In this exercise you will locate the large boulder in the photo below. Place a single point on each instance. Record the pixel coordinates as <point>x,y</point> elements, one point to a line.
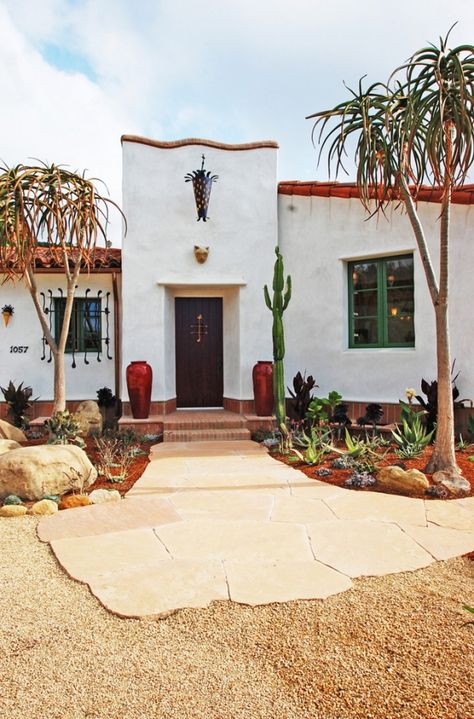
<point>9,431</point>
<point>89,418</point>
<point>33,472</point>
<point>396,479</point>
<point>8,444</point>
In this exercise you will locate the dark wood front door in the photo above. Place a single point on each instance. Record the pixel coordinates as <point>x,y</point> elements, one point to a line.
<point>199,365</point>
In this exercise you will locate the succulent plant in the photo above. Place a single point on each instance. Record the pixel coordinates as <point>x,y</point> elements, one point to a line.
<point>360,479</point>
<point>343,462</point>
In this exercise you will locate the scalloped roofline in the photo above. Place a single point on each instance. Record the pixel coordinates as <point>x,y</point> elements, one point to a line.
<point>164,145</point>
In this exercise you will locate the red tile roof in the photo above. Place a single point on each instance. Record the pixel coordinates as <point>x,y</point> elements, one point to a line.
<point>345,190</point>
<point>105,260</point>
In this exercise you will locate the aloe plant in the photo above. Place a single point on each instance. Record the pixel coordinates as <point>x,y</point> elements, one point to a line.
<point>412,436</point>
<point>281,298</point>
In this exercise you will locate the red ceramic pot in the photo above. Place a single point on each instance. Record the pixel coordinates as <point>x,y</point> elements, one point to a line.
<point>262,375</point>
<point>139,380</point>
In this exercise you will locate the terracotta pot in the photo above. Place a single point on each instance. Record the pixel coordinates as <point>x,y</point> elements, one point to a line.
<point>262,375</point>
<point>139,380</point>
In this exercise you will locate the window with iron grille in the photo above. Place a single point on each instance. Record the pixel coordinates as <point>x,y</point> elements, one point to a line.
<point>85,330</point>
<point>381,302</point>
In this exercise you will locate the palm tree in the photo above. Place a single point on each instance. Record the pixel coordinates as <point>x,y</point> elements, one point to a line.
<point>415,129</point>
<point>63,210</point>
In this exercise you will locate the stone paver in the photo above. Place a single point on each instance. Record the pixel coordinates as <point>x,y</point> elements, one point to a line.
<point>109,517</point>
<point>239,540</point>
<point>223,505</point>
<point>441,542</point>
<point>217,520</point>
<point>265,582</point>
<point>361,548</point>
<point>162,588</point>
<point>455,514</point>
<point>378,506</point>
<point>87,558</point>
<point>300,510</point>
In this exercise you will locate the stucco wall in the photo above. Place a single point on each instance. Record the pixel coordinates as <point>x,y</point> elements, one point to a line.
<point>318,236</point>
<point>158,259</point>
<point>24,330</point>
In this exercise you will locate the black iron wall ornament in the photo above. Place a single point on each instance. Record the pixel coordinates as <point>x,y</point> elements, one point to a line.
<point>202,183</point>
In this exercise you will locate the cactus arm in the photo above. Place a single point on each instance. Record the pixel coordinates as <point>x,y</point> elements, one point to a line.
<point>268,301</point>
<point>287,293</point>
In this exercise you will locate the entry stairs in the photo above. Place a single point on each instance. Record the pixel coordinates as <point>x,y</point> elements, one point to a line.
<point>204,425</point>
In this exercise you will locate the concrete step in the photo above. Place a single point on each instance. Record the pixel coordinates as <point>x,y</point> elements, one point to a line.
<point>183,419</point>
<point>204,435</point>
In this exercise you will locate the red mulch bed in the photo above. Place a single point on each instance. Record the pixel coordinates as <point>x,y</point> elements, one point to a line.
<point>135,472</point>
<point>339,476</point>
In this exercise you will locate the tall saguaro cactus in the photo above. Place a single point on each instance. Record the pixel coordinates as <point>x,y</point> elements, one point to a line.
<point>281,298</point>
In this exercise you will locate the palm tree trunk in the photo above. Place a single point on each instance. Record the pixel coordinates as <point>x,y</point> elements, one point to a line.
<point>443,457</point>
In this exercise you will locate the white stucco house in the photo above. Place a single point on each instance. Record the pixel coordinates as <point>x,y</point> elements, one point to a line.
<point>360,318</point>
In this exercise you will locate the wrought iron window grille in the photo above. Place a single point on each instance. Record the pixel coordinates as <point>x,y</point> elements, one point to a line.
<point>86,326</point>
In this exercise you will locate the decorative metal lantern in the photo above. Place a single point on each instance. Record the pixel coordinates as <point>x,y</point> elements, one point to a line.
<point>202,183</point>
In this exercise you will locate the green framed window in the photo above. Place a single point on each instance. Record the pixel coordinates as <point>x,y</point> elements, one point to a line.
<point>85,330</point>
<point>381,302</point>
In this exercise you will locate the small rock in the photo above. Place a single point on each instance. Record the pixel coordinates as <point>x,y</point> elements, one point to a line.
<point>407,482</point>
<point>13,510</point>
<point>44,507</point>
<point>9,431</point>
<point>99,496</point>
<point>7,444</point>
<point>70,501</point>
<point>12,499</point>
<point>53,497</point>
<point>456,485</point>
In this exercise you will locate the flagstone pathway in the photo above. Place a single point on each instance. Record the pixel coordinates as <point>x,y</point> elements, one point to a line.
<point>223,520</point>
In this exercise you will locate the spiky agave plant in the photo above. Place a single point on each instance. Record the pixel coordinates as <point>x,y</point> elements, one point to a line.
<point>416,128</point>
<point>281,298</point>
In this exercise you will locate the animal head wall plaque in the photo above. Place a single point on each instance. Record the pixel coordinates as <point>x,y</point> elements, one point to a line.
<point>202,183</point>
<point>201,253</point>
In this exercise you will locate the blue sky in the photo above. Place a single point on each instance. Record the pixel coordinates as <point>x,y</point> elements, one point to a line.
<point>77,74</point>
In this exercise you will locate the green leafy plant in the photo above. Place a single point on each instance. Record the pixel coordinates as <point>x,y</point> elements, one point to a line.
<point>321,409</point>
<point>281,298</point>
<point>19,402</point>
<point>63,429</point>
<point>412,436</point>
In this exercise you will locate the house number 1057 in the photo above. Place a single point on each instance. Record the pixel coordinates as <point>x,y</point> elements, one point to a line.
<point>18,349</point>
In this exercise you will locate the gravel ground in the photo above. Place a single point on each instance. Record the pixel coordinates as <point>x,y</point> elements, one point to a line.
<point>391,647</point>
